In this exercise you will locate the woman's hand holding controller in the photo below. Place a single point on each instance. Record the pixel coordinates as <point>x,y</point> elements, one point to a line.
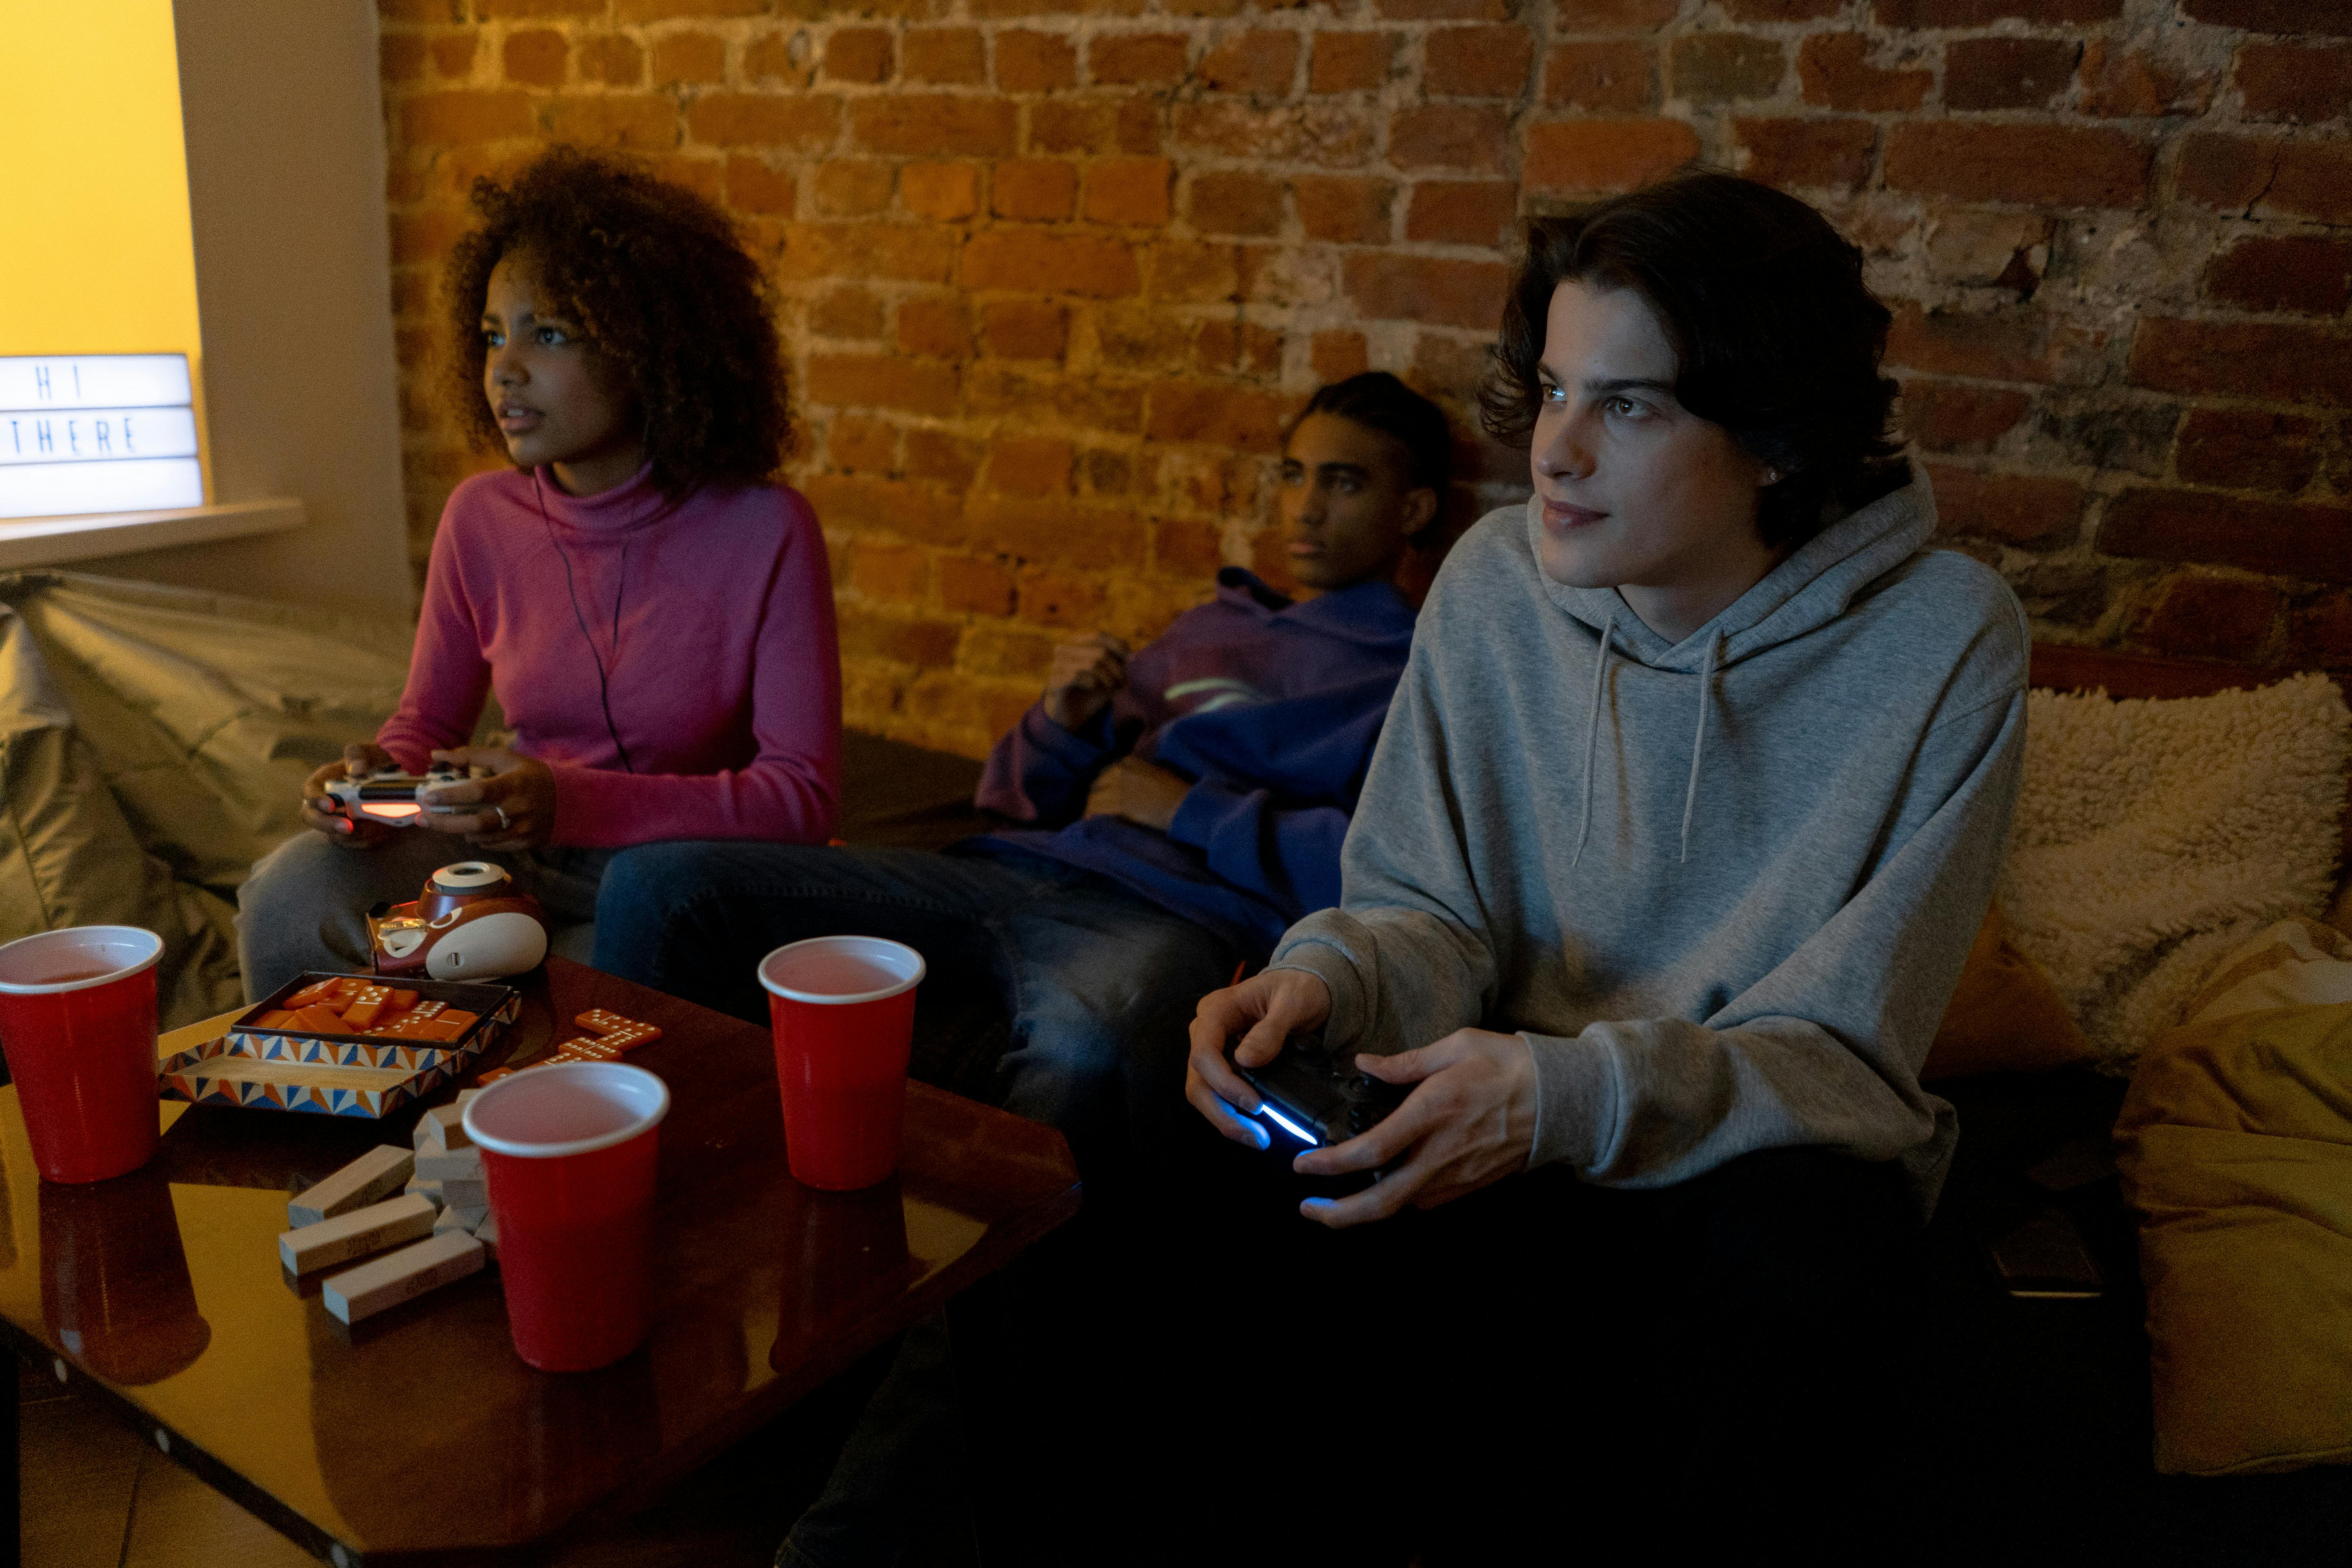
<point>1265,1010</point>
<point>515,806</point>
<point>360,758</point>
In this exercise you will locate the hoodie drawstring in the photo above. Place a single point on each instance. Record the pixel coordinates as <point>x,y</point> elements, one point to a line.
<point>1699,738</point>
<point>1593,734</point>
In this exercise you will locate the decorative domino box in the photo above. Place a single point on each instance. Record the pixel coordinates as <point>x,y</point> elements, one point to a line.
<point>276,1057</point>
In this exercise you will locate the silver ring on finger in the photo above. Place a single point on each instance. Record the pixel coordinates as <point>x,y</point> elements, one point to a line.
<point>504,826</point>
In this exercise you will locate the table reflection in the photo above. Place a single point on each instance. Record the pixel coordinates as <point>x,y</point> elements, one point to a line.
<point>115,1290</point>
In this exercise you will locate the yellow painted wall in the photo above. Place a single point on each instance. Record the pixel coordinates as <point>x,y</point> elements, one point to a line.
<point>95,251</point>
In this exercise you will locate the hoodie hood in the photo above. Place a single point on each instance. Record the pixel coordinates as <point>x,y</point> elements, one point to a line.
<point>1812,588</point>
<point>1370,614</point>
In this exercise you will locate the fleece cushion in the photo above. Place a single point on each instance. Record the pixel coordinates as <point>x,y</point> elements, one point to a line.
<point>2005,1016</point>
<point>2235,1143</point>
<point>2153,837</point>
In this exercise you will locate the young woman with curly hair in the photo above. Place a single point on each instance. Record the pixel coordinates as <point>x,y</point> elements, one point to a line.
<point>651,606</point>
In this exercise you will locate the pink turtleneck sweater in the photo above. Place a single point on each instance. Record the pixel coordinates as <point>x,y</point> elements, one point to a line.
<point>725,678</point>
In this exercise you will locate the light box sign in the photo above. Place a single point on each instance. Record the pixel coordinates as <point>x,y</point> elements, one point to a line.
<point>84,433</point>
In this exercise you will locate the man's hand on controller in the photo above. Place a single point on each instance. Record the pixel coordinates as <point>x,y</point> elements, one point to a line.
<point>1468,1123</point>
<point>360,758</point>
<point>1263,1011</point>
<point>514,807</point>
<point>1087,672</point>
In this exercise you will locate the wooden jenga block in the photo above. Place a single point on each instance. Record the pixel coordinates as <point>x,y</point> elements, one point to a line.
<point>454,1218</point>
<point>356,1235</point>
<point>441,1129</point>
<point>402,1276</point>
<point>373,1175</point>
<point>430,1192</point>
<point>465,1099</point>
<point>487,1233</point>
<point>466,1162</point>
<point>465,1191</point>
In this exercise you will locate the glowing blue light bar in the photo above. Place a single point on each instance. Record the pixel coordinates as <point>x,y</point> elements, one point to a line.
<point>1287,1124</point>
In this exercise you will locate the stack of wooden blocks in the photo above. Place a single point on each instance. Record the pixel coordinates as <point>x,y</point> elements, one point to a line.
<point>442,1215</point>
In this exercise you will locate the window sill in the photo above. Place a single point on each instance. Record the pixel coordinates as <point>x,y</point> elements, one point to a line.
<point>56,541</point>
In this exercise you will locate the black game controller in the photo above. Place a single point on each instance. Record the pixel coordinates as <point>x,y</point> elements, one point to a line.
<point>1318,1096</point>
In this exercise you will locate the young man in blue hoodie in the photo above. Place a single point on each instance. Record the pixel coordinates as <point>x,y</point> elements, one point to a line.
<point>1691,802</point>
<point>1170,813</point>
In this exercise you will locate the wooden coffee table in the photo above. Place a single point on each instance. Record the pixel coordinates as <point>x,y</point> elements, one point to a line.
<point>421,1436</point>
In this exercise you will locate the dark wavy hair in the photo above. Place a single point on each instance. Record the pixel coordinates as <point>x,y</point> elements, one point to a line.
<point>1776,336</point>
<point>1378,401</point>
<point>656,279</point>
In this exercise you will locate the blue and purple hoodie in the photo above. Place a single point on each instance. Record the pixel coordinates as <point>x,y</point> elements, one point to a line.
<point>1270,707</point>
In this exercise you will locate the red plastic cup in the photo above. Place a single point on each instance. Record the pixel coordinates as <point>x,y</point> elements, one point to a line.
<point>570,1151</point>
<point>843,1011</point>
<point>77,1025</point>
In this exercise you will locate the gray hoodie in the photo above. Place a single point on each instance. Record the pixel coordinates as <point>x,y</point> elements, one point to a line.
<point>1722,888</point>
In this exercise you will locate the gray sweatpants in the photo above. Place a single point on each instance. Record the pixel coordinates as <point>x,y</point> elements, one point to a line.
<point>305,904</point>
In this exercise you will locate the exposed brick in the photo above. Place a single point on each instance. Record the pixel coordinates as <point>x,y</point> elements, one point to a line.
<point>972,586</point>
<point>1476,62</point>
<point>1462,212</point>
<point>2017,509</point>
<point>453,53</point>
<point>1834,154</point>
<point>1337,355</point>
<point>778,57</point>
<point>2277,539</point>
<point>1095,124</point>
<point>2127,83</point>
<point>943,193</point>
<point>1601,156</point>
<point>2058,165</point>
<point>1129,192</point>
<point>1233,202</point>
<point>2320,633</point>
<point>935,326</point>
<point>2242,449</point>
<point>1052,599</point>
<point>1981,13</point>
<point>1953,417</point>
<point>2294,81</point>
<point>1614,74</point>
<point>1136,58</point>
<point>2213,618</point>
<point>400,57</point>
<point>1187,546</point>
<point>1386,286</point>
<point>1450,136</point>
<point>1719,67</point>
<point>1034,62</point>
<point>424,235</point>
<point>752,186</point>
<point>2306,274</point>
<point>1321,134</point>
<point>792,123</point>
<point>1137,338</point>
<point>1833,70</point>
<point>535,57</point>
<point>2001,346</point>
<point>1344,209</point>
<point>669,10</point>
<point>453,119</point>
<point>683,59</point>
<point>865,634</point>
<point>1217,414</point>
<point>1058,533</point>
<point>923,125</point>
<point>704,175</point>
<point>1195,271</point>
<point>887,506</point>
<point>1262,60</point>
<point>850,187</point>
<point>2272,363</point>
<point>1605,16</point>
<point>954,57</point>
<point>644,122</point>
<point>906,252</point>
<point>1024,329</point>
<point>1092,266</point>
<point>861,441</point>
<point>2007,73</point>
<point>940,458</point>
<point>859,55</point>
<point>880,380</point>
<point>1349,62</point>
<point>1037,190</point>
<point>2331,17</point>
<point>1781,10</point>
<point>1442,10</point>
<point>893,571</point>
<point>852,313</point>
<point>612,59</point>
<point>1030,466</point>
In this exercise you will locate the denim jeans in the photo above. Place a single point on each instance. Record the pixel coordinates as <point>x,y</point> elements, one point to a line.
<point>304,905</point>
<point>1101,983</point>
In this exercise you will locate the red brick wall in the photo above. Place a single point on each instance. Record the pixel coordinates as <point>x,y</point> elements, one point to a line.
<point>1056,271</point>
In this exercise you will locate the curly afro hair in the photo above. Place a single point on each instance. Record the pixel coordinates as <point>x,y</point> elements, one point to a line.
<point>656,279</point>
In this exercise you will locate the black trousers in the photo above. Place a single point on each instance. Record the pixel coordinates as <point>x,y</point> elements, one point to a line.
<point>1552,1372</point>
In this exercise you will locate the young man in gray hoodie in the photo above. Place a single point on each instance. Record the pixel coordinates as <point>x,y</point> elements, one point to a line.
<point>1690,802</point>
